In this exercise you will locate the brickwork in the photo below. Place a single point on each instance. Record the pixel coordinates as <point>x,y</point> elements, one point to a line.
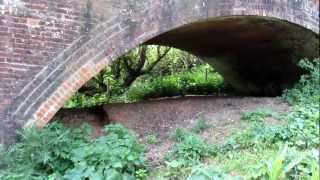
<point>49,49</point>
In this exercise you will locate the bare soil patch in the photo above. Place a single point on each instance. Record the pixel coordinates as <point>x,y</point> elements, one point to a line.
<point>161,117</point>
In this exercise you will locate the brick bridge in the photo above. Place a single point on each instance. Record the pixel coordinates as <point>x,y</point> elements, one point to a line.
<point>50,48</point>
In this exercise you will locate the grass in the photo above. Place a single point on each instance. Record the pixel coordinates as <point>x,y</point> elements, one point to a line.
<point>242,161</point>
<point>263,151</point>
<point>275,162</point>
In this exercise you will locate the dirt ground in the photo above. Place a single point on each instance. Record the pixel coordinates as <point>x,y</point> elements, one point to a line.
<point>162,116</point>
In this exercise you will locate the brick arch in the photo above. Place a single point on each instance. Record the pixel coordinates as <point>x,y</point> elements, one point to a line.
<point>61,76</point>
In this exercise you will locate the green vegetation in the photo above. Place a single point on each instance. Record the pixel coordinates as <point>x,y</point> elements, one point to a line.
<point>179,134</point>
<point>257,116</point>
<point>188,153</point>
<point>200,126</point>
<point>307,90</point>
<point>187,82</point>
<point>265,162</point>
<point>149,72</point>
<point>190,149</point>
<point>288,163</point>
<point>152,139</point>
<point>203,172</point>
<point>57,152</point>
<point>193,81</point>
<point>287,150</point>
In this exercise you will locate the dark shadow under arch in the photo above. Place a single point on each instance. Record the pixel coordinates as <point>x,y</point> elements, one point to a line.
<point>257,55</point>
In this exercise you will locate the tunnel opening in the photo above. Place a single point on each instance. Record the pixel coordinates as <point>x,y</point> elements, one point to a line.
<point>146,74</point>
<point>256,55</point>
<point>149,72</point>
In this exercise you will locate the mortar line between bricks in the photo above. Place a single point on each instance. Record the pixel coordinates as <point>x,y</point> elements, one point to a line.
<point>84,56</point>
<point>96,30</point>
<point>100,52</point>
<point>60,56</point>
<point>40,78</point>
<point>43,82</point>
<point>57,67</point>
<point>45,91</point>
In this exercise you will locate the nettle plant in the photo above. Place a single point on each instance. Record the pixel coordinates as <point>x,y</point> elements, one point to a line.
<point>190,149</point>
<point>57,152</point>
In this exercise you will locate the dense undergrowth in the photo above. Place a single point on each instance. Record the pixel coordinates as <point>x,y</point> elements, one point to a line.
<point>200,80</point>
<point>192,81</point>
<point>57,152</point>
<point>285,150</point>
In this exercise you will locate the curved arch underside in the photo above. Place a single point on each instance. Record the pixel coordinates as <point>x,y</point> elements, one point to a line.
<point>254,44</point>
<point>256,55</point>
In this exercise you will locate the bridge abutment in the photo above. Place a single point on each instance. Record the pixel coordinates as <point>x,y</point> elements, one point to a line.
<point>49,49</point>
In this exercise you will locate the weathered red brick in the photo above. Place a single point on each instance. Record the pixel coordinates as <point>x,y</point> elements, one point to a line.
<point>40,30</point>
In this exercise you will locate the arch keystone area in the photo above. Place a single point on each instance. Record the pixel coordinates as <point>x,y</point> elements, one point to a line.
<point>49,49</point>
